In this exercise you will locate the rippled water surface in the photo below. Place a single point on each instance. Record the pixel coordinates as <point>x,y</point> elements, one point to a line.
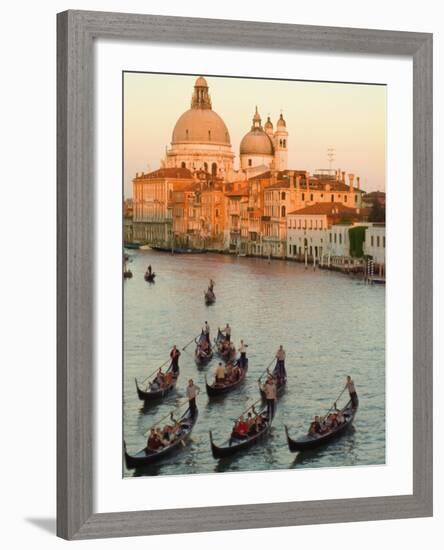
<point>330,325</point>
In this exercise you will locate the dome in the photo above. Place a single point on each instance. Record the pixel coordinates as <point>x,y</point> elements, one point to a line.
<point>201,82</point>
<point>201,126</point>
<point>256,142</point>
<point>281,122</point>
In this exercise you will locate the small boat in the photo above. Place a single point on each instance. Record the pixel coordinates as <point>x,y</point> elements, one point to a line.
<point>281,384</point>
<point>214,390</point>
<point>210,297</point>
<point>149,277</point>
<point>149,395</point>
<point>127,274</point>
<point>145,456</point>
<point>134,245</point>
<point>233,445</point>
<point>226,354</point>
<point>201,356</point>
<point>310,441</point>
<point>172,250</point>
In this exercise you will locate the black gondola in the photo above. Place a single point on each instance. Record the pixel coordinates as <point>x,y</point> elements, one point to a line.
<point>233,445</point>
<point>149,277</point>
<point>310,441</point>
<point>210,297</point>
<point>202,357</point>
<point>127,274</point>
<point>145,456</point>
<point>214,390</point>
<point>281,383</point>
<point>153,395</point>
<point>219,341</point>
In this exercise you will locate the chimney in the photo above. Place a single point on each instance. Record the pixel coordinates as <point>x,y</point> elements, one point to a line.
<point>358,181</point>
<point>343,176</point>
<point>351,177</point>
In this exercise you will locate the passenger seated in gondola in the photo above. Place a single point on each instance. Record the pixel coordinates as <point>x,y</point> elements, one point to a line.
<point>220,375</point>
<point>168,378</point>
<point>154,443</point>
<point>315,426</point>
<point>229,370</point>
<point>251,423</point>
<point>240,429</point>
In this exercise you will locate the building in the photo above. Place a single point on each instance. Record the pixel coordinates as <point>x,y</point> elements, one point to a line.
<point>319,232</point>
<point>374,245</point>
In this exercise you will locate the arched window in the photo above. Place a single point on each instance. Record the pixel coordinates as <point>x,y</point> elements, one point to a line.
<point>183,165</point>
<point>283,195</point>
<point>285,142</point>
<point>280,142</point>
<point>214,169</point>
<point>206,166</point>
<point>209,135</point>
<point>283,212</point>
<point>186,134</point>
<point>332,198</point>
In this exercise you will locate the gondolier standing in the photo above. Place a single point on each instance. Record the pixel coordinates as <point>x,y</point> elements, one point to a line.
<point>350,385</point>
<point>175,354</point>
<point>192,391</point>
<point>280,363</point>
<point>206,331</point>
<point>227,332</point>
<point>211,285</point>
<point>243,353</point>
<point>269,389</point>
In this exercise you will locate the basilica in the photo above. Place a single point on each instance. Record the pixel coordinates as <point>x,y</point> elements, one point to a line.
<point>201,141</point>
<point>201,198</point>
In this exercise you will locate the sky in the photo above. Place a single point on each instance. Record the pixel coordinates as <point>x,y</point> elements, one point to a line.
<point>351,118</point>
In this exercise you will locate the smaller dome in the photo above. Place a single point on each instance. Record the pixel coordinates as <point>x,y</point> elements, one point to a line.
<point>256,142</point>
<point>268,125</point>
<point>201,82</point>
<point>281,122</point>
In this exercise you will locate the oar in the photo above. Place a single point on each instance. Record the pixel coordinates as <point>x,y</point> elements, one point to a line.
<point>190,342</point>
<point>335,401</point>
<point>154,371</point>
<point>166,416</point>
<point>272,361</point>
<point>250,407</point>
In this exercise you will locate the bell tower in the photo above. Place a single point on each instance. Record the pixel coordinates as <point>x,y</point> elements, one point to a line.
<point>281,145</point>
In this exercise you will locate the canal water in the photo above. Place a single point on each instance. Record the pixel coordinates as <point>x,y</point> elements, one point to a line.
<point>330,325</point>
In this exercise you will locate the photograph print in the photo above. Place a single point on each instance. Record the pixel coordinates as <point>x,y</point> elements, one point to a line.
<point>253,274</point>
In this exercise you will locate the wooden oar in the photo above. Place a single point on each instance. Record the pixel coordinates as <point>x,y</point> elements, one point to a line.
<point>190,342</point>
<point>250,407</point>
<point>154,371</point>
<point>335,401</point>
<point>266,370</point>
<point>166,416</point>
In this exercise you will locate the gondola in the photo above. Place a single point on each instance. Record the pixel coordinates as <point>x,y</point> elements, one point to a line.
<point>127,274</point>
<point>200,358</point>
<point>281,384</point>
<point>234,445</point>
<point>226,355</point>
<point>214,390</point>
<point>149,277</point>
<point>311,441</point>
<point>210,297</point>
<point>145,456</point>
<point>148,396</point>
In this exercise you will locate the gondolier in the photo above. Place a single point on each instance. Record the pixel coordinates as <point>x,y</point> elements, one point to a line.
<point>243,353</point>
<point>192,391</point>
<point>280,363</point>
<point>350,385</point>
<point>220,374</point>
<point>206,331</point>
<point>269,389</point>
<point>211,285</point>
<point>175,354</point>
<point>227,332</point>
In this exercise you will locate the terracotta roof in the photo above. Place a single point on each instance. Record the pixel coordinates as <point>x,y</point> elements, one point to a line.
<point>328,209</point>
<point>182,173</point>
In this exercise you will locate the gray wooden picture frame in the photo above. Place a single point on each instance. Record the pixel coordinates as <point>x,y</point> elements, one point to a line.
<point>76,32</point>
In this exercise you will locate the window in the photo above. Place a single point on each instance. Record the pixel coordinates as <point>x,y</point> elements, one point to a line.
<point>311,224</point>
<point>335,238</point>
<point>209,135</point>
<point>250,162</point>
<point>356,198</point>
<point>340,238</point>
<point>330,237</point>
<point>183,165</point>
<point>186,134</point>
<point>311,197</point>
<point>383,242</point>
<point>283,195</point>
<point>217,213</point>
<point>303,196</point>
<point>206,166</point>
<point>214,169</point>
<point>321,223</point>
<point>285,142</point>
<point>332,198</point>
<point>345,198</point>
<point>372,242</point>
<point>377,241</point>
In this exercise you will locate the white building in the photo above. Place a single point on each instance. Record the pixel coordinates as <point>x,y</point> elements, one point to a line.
<point>374,245</point>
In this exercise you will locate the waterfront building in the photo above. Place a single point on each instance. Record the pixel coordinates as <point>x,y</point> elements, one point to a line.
<point>236,229</point>
<point>374,244</point>
<point>152,203</point>
<point>318,232</point>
